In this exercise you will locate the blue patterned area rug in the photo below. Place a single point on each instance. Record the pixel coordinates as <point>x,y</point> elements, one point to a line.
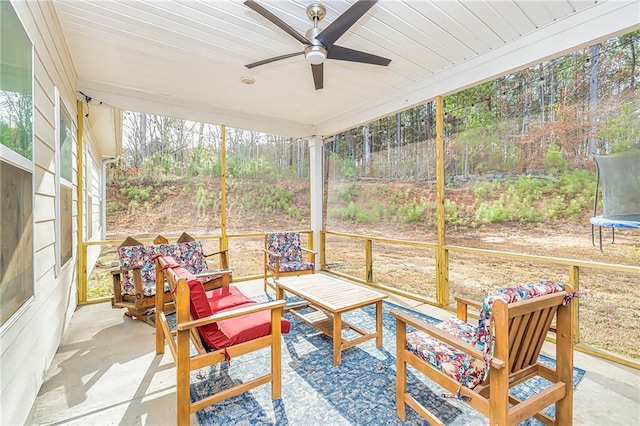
<point>360,391</point>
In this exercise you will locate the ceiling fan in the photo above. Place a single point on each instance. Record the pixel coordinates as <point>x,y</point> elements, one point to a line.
<point>319,44</point>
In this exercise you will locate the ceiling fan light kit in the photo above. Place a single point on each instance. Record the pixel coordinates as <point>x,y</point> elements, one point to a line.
<point>319,44</point>
<point>315,55</point>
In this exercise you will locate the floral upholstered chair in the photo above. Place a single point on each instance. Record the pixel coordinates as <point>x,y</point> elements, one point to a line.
<point>284,255</point>
<point>194,260</point>
<point>134,283</point>
<point>479,364</point>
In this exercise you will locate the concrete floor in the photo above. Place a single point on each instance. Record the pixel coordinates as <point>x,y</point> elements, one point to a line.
<point>106,372</point>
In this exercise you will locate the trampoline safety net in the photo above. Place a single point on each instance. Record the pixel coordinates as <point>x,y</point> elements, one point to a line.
<point>619,178</point>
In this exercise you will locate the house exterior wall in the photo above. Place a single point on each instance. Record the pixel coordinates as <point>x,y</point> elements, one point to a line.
<point>30,338</point>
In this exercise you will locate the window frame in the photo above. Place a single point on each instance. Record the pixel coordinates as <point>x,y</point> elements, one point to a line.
<point>14,159</point>
<point>62,182</point>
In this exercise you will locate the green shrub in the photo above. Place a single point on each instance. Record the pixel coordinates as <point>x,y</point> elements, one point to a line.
<point>482,190</point>
<point>554,160</point>
<point>413,211</point>
<point>451,213</point>
<point>205,200</point>
<point>490,213</point>
<point>112,206</point>
<point>135,193</point>
<point>271,199</point>
<point>349,193</point>
<point>354,213</point>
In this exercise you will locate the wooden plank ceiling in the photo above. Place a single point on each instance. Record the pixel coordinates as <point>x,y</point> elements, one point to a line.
<point>186,58</point>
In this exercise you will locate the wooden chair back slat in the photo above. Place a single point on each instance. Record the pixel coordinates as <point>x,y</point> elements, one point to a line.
<point>527,333</point>
<point>527,341</point>
<point>516,329</point>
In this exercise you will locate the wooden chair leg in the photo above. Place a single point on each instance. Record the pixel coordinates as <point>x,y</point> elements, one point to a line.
<point>265,279</point>
<point>183,361</point>
<point>564,363</point>
<point>276,353</point>
<point>499,377</point>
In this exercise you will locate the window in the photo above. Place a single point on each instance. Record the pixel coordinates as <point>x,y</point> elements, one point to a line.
<point>65,214</point>
<point>16,164</point>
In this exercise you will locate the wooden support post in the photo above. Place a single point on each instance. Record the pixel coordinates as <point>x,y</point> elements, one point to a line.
<point>224,241</point>
<point>442,255</point>
<point>368,246</point>
<point>82,249</point>
<point>323,256</point>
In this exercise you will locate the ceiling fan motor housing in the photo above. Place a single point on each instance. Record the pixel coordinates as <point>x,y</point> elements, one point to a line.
<point>316,53</point>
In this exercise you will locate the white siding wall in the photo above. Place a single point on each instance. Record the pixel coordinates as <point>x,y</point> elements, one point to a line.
<point>31,338</point>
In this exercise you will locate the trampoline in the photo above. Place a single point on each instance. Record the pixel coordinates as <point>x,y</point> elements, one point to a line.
<point>619,178</point>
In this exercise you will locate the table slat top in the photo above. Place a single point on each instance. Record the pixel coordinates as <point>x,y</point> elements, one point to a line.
<point>330,293</point>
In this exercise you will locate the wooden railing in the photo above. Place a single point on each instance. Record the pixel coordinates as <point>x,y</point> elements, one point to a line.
<point>573,266</point>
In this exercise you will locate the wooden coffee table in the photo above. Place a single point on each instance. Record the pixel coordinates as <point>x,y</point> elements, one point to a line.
<point>330,297</point>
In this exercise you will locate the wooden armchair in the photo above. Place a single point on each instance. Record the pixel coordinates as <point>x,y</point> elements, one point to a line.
<point>222,323</point>
<point>481,364</point>
<point>284,255</point>
<point>194,260</point>
<point>134,283</point>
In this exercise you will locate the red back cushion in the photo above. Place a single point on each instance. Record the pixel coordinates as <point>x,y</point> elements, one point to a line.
<point>226,297</point>
<point>199,303</point>
<point>228,332</point>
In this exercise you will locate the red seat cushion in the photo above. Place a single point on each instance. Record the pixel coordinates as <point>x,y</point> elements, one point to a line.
<point>242,329</point>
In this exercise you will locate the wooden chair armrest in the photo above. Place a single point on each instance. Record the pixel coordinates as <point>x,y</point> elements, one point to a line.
<point>216,252</point>
<point>462,307</point>
<point>443,336</point>
<point>468,302</point>
<point>123,270</point>
<point>278,304</point>
<point>213,272</point>
<point>308,251</point>
<point>271,253</point>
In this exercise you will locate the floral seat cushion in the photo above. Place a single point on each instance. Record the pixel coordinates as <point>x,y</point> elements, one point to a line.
<point>144,255</point>
<point>457,364</point>
<point>287,245</point>
<point>463,368</point>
